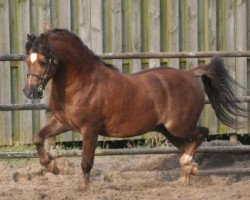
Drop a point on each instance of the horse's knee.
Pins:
(37, 140)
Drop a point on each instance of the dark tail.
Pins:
(220, 88)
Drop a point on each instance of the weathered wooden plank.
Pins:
(173, 30)
(84, 21)
(165, 24)
(96, 26)
(210, 44)
(248, 23)
(154, 39)
(183, 38)
(135, 33)
(63, 16)
(5, 79)
(75, 8)
(248, 61)
(241, 44)
(221, 26)
(230, 42)
(126, 37)
(145, 30)
(116, 29)
(26, 128)
(191, 9)
(107, 27)
(13, 10)
(40, 14)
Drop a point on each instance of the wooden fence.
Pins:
(122, 26)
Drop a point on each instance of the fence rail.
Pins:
(133, 151)
(141, 55)
(42, 106)
(244, 149)
(12, 107)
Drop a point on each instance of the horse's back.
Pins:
(181, 97)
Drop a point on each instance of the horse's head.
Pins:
(42, 64)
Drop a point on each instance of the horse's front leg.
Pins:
(53, 128)
(89, 145)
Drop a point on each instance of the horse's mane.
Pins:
(81, 45)
(35, 43)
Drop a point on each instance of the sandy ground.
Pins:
(149, 177)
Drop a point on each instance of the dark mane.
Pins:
(30, 42)
(38, 45)
(110, 66)
(83, 46)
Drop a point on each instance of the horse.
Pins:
(94, 98)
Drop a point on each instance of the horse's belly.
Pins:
(130, 128)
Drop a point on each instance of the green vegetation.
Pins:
(17, 148)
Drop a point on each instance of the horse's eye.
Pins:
(43, 63)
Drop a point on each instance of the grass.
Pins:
(17, 148)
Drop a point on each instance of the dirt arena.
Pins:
(149, 177)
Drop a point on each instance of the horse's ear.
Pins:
(28, 37)
(30, 40)
(44, 37)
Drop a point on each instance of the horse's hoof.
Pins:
(82, 188)
(194, 170)
(52, 167)
(183, 181)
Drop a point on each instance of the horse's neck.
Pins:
(71, 78)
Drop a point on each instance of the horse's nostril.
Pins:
(33, 93)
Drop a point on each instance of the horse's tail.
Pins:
(220, 88)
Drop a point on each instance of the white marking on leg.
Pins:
(185, 159)
(168, 124)
(33, 57)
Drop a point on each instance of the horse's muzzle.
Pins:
(33, 92)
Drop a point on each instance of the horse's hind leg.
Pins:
(188, 166)
(53, 128)
(188, 147)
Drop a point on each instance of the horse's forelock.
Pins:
(30, 41)
(41, 46)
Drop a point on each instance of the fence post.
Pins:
(5, 80)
